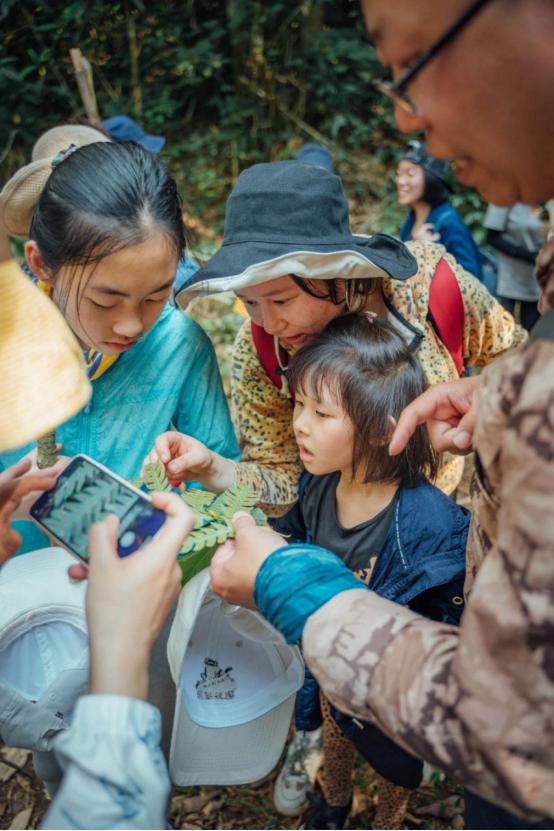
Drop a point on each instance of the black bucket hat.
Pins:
(416, 152)
(292, 218)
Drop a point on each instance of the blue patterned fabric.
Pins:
(170, 377)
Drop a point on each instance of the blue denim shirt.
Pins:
(168, 379)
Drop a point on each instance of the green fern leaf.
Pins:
(198, 500)
(207, 536)
(155, 478)
(234, 499)
(192, 563)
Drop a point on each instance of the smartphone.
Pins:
(86, 492)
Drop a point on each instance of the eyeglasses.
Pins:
(396, 90)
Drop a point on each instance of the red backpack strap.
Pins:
(265, 347)
(446, 311)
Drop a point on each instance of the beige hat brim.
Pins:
(22, 192)
(42, 372)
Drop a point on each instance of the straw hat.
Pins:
(42, 373)
(21, 193)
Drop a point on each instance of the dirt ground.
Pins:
(436, 804)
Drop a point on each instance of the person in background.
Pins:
(517, 233)
(421, 185)
(316, 154)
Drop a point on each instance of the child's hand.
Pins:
(186, 459)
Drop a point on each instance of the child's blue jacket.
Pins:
(421, 564)
(168, 380)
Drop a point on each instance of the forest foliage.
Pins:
(228, 82)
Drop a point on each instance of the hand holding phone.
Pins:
(128, 599)
(85, 493)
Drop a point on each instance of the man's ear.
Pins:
(36, 263)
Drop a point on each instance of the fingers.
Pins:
(180, 522)
(77, 572)
(20, 467)
(243, 523)
(223, 553)
(163, 446)
(466, 428)
(35, 482)
(416, 413)
(102, 541)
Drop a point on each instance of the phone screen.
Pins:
(84, 494)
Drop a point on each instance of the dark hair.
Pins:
(355, 292)
(102, 198)
(369, 369)
(435, 192)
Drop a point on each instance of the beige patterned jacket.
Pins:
(263, 416)
(477, 701)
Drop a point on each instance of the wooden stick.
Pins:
(83, 75)
(46, 450)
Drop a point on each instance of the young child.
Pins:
(399, 534)
(105, 234)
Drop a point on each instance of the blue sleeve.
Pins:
(295, 581)
(456, 238)
(115, 775)
(202, 409)
(407, 225)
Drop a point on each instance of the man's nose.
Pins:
(408, 122)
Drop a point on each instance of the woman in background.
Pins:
(421, 185)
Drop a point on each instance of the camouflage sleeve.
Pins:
(263, 421)
(476, 701)
(489, 329)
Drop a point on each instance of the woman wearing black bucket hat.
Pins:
(289, 253)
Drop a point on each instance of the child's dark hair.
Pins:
(102, 198)
(369, 369)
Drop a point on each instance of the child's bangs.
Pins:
(317, 376)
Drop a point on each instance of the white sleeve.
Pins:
(115, 775)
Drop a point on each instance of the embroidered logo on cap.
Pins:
(215, 682)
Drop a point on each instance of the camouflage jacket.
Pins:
(476, 701)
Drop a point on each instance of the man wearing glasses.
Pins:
(477, 701)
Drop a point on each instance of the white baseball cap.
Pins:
(236, 682)
(43, 647)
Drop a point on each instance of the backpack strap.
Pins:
(446, 311)
(273, 358)
(544, 327)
